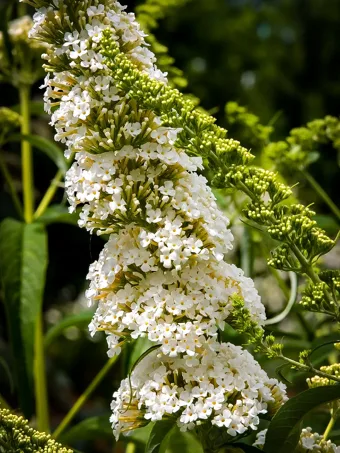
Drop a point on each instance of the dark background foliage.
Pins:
(278, 57)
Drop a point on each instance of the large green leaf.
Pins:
(159, 434)
(80, 320)
(281, 436)
(46, 146)
(23, 252)
(90, 429)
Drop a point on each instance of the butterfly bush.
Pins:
(162, 273)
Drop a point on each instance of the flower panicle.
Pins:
(136, 177)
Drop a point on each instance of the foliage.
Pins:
(272, 212)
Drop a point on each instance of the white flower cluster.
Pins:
(226, 386)
(309, 442)
(161, 275)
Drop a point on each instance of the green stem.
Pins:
(292, 298)
(321, 192)
(309, 369)
(41, 396)
(22, 9)
(83, 398)
(11, 187)
(329, 426)
(247, 260)
(48, 197)
(26, 154)
(130, 448)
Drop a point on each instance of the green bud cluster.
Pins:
(17, 436)
(242, 321)
(247, 127)
(291, 225)
(302, 242)
(316, 298)
(319, 381)
(300, 149)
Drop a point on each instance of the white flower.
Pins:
(162, 385)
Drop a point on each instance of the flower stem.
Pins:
(322, 193)
(48, 197)
(26, 154)
(309, 369)
(11, 187)
(22, 9)
(329, 426)
(40, 379)
(83, 398)
(130, 448)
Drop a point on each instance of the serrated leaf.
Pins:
(158, 434)
(24, 255)
(284, 425)
(78, 320)
(48, 147)
(89, 429)
(58, 214)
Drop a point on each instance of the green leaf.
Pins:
(178, 441)
(78, 320)
(281, 436)
(46, 146)
(24, 255)
(140, 346)
(159, 433)
(90, 429)
(139, 435)
(58, 214)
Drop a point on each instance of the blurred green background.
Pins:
(280, 58)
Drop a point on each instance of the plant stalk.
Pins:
(41, 395)
(48, 197)
(329, 426)
(130, 448)
(322, 193)
(26, 154)
(84, 397)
